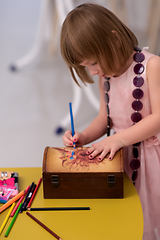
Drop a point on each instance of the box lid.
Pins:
(68, 159)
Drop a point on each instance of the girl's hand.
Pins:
(108, 145)
(78, 139)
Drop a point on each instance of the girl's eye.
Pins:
(94, 63)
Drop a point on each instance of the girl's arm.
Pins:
(95, 130)
(144, 129)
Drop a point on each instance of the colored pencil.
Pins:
(35, 191)
(72, 122)
(58, 209)
(29, 197)
(22, 207)
(6, 218)
(17, 205)
(44, 226)
(12, 200)
(13, 220)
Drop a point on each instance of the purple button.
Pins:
(108, 112)
(138, 57)
(135, 164)
(138, 81)
(137, 144)
(139, 68)
(135, 152)
(137, 105)
(106, 86)
(136, 117)
(106, 97)
(137, 93)
(134, 176)
(137, 49)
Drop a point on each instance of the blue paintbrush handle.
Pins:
(72, 122)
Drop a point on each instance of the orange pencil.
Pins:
(17, 205)
(12, 200)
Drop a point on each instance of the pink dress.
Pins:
(148, 181)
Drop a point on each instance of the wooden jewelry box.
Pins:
(68, 173)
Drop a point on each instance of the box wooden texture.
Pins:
(68, 173)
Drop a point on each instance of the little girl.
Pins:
(95, 42)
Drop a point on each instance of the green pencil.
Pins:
(13, 220)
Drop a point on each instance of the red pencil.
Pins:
(17, 205)
(44, 226)
(34, 193)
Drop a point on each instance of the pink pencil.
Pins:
(34, 193)
(18, 203)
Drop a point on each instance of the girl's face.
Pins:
(93, 67)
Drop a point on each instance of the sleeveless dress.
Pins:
(148, 181)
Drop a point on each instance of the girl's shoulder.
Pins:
(154, 59)
(153, 68)
(153, 63)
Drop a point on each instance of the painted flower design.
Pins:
(77, 159)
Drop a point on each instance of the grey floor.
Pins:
(33, 100)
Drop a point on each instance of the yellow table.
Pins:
(108, 219)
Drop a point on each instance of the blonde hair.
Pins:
(91, 31)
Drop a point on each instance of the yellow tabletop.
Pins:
(108, 219)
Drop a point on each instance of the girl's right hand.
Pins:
(78, 139)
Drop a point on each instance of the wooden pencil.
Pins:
(58, 208)
(22, 207)
(13, 220)
(29, 197)
(44, 226)
(6, 218)
(12, 200)
(17, 205)
(34, 193)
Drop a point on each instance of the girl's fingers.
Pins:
(94, 151)
(102, 156)
(111, 155)
(90, 150)
(68, 134)
(76, 137)
(67, 142)
(67, 139)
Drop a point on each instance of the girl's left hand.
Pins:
(108, 145)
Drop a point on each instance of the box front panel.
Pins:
(68, 186)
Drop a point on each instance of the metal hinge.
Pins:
(55, 180)
(111, 180)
